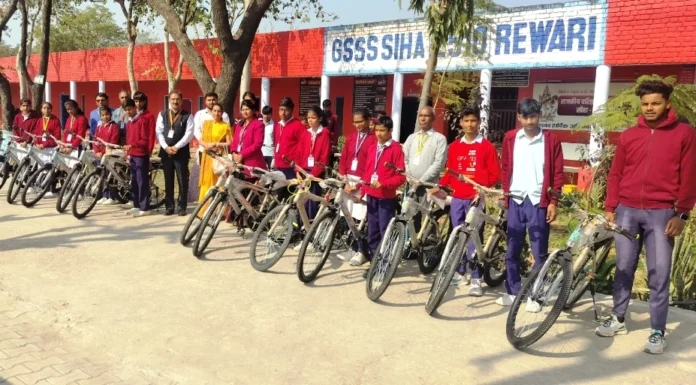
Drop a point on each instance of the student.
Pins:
(316, 150)
(381, 193)
(24, 121)
(267, 148)
(477, 159)
(287, 135)
(352, 162)
(137, 142)
(532, 161)
(102, 100)
(47, 124)
(650, 193)
(141, 104)
(75, 127)
(108, 131)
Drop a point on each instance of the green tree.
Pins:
(83, 29)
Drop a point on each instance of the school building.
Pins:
(570, 56)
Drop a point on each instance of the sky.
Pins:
(347, 11)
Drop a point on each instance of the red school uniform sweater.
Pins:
(320, 149)
(138, 136)
(52, 127)
(354, 148)
(109, 133)
(477, 161)
(287, 141)
(75, 126)
(387, 177)
(20, 125)
(151, 121)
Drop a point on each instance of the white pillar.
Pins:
(325, 88)
(47, 92)
(485, 85)
(265, 92)
(601, 95)
(397, 98)
(73, 90)
(102, 86)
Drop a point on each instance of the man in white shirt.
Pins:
(206, 114)
(267, 148)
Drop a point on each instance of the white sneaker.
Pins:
(475, 290)
(128, 206)
(505, 300)
(109, 202)
(101, 201)
(611, 327)
(532, 306)
(656, 343)
(297, 248)
(133, 211)
(49, 195)
(358, 259)
(456, 279)
(344, 256)
(142, 214)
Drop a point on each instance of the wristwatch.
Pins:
(683, 217)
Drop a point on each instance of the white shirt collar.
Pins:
(385, 145)
(430, 132)
(318, 131)
(270, 123)
(521, 134)
(477, 139)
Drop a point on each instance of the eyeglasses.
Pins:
(360, 122)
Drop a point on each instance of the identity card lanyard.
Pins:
(241, 136)
(380, 152)
(45, 127)
(422, 140)
(171, 123)
(358, 145)
(70, 131)
(310, 160)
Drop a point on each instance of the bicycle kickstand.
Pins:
(597, 311)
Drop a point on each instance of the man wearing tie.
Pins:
(175, 131)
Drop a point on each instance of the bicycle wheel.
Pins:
(433, 243)
(37, 186)
(581, 273)
(18, 181)
(537, 295)
(5, 169)
(267, 249)
(386, 260)
(194, 221)
(88, 192)
(494, 269)
(316, 246)
(69, 186)
(209, 224)
(453, 257)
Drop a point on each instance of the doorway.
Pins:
(409, 116)
(63, 112)
(503, 116)
(338, 110)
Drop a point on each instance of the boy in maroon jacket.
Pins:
(287, 134)
(137, 147)
(381, 193)
(141, 105)
(532, 161)
(650, 192)
(24, 121)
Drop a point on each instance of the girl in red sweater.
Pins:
(108, 131)
(315, 149)
(47, 124)
(476, 158)
(75, 127)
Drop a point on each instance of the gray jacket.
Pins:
(432, 159)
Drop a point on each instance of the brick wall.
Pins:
(647, 32)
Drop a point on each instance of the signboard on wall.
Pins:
(510, 78)
(310, 93)
(562, 36)
(564, 105)
(370, 92)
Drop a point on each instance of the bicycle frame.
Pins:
(339, 204)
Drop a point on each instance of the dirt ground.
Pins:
(125, 289)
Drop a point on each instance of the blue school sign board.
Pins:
(566, 35)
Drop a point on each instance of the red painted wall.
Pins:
(647, 32)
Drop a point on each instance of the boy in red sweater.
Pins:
(650, 192)
(141, 105)
(381, 193)
(477, 159)
(137, 147)
(316, 150)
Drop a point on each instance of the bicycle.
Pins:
(321, 236)
(87, 163)
(34, 159)
(489, 256)
(230, 193)
(282, 220)
(12, 156)
(556, 276)
(428, 243)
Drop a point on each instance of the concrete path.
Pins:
(112, 299)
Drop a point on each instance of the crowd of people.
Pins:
(649, 190)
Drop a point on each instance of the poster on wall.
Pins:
(370, 92)
(510, 78)
(310, 93)
(564, 105)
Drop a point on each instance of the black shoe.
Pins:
(181, 212)
(169, 211)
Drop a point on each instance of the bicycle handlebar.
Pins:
(60, 142)
(481, 188)
(411, 179)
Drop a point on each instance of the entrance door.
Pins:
(338, 110)
(503, 116)
(63, 112)
(409, 116)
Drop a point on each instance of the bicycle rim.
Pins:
(37, 186)
(194, 221)
(69, 186)
(494, 269)
(17, 182)
(386, 260)
(453, 256)
(433, 244)
(209, 225)
(316, 247)
(581, 271)
(87, 194)
(267, 248)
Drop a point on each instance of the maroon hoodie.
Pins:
(654, 169)
(20, 125)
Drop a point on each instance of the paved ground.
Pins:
(112, 299)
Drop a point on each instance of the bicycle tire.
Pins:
(80, 189)
(66, 192)
(17, 180)
(395, 256)
(578, 288)
(545, 325)
(496, 249)
(186, 235)
(328, 234)
(429, 260)
(286, 223)
(4, 170)
(202, 240)
(453, 257)
(48, 173)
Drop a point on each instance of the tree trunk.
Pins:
(172, 78)
(37, 90)
(129, 65)
(5, 92)
(245, 84)
(22, 74)
(429, 74)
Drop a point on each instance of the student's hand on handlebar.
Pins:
(610, 217)
(551, 213)
(127, 148)
(675, 226)
(376, 184)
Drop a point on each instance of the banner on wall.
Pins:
(564, 105)
(563, 36)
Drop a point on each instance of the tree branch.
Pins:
(6, 19)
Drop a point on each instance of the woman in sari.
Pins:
(217, 136)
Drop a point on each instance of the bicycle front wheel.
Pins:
(88, 192)
(386, 260)
(540, 300)
(434, 242)
(582, 271)
(494, 269)
(18, 181)
(453, 257)
(316, 246)
(271, 238)
(37, 186)
(4, 170)
(194, 221)
(69, 187)
(209, 224)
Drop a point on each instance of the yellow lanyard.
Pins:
(422, 140)
(45, 123)
(171, 121)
